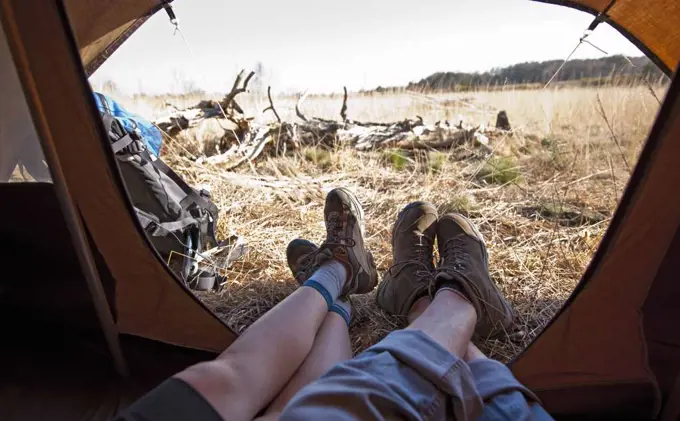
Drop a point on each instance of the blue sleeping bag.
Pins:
(149, 133)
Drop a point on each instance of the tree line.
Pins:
(607, 69)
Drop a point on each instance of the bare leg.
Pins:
(473, 353)
(246, 378)
(331, 346)
(249, 374)
(418, 308)
(450, 320)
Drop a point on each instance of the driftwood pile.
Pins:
(245, 140)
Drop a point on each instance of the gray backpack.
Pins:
(178, 219)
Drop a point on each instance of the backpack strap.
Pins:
(125, 142)
(202, 198)
(159, 229)
(199, 198)
(178, 225)
(122, 143)
(128, 143)
(104, 102)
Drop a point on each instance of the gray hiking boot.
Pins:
(464, 265)
(344, 219)
(412, 270)
(345, 229)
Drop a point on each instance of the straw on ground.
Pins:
(543, 198)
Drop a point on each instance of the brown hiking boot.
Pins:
(345, 228)
(344, 242)
(464, 265)
(301, 258)
(412, 268)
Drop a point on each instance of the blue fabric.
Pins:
(342, 313)
(149, 133)
(512, 406)
(409, 376)
(321, 290)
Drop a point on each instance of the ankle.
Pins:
(457, 301)
(455, 289)
(418, 307)
(449, 320)
(329, 280)
(343, 308)
(445, 281)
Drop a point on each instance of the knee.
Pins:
(223, 386)
(211, 375)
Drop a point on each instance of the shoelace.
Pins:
(423, 274)
(307, 269)
(419, 256)
(455, 259)
(333, 228)
(454, 255)
(310, 262)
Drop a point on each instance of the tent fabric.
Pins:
(149, 300)
(612, 351)
(651, 25)
(19, 144)
(56, 375)
(618, 331)
(100, 27)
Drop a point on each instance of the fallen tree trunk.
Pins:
(251, 140)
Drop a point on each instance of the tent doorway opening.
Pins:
(578, 177)
(543, 184)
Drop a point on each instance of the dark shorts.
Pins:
(173, 400)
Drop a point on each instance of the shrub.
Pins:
(460, 203)
(396, 158)
(435, 161)
(499, 170)
(319, 157)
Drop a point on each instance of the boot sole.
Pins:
(298, 242)
(362, 286)
(356, 208)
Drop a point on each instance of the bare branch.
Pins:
(271, 104)
(343, 110)
(235, 90)
(237, 81)
(297, 107)
(245, 84)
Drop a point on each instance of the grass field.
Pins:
(542, 199)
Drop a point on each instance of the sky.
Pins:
(321, 46)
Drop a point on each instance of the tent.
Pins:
(91, 318)
(651, 25)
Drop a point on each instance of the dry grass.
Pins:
(542, 200)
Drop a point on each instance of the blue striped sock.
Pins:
(321, 290)
(329, 281)
(343, 308)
